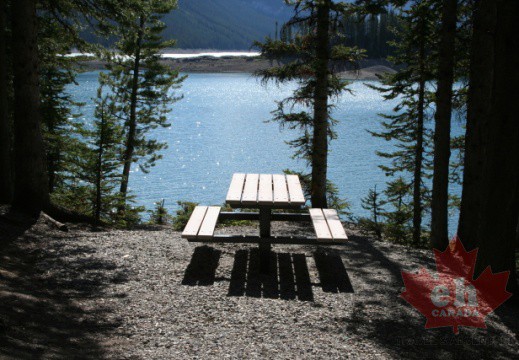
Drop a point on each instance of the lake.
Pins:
(219, 128)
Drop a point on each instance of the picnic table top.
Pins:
(258, 190)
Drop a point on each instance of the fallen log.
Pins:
(64, 214)
(53, 222)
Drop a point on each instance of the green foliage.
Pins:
(334, 200)
(85, 161)
(59, 122)
(99, 164)
(74, 158)
(142, 88)
(228, 208)
(155, 84)
(301, 58)
(411, 162)
(160, 214)
(372, 32)
(375, 205)
(72, 195)
(186, 209)
(132, 216)
(398, 227)
(91, 186)
(297, 62)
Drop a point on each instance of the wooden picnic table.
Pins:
(265, 192)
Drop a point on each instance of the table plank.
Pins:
(280, 189)
(266, 192)
(335, 225)
(235, 189)
(295, 191)
(210, 219)
(320, 225)
(194, 223)
(250, 190)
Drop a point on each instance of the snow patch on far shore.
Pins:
(218, 54)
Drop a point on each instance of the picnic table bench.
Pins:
(265, 192)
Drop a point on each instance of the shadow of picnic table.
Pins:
(288, 277)
(372, 271)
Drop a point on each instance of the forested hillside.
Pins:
(223, 24)
(236, 24)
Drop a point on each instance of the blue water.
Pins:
(219, 128)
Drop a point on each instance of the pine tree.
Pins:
(102, 165)
(371, 32)
(398, 221)
(160, 215)
(307, 60)
(58, 120)
(42, 31)
(375, 205)
(406, 126)
(442, 138)
(141, 84)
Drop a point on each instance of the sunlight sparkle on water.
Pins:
(229, 112)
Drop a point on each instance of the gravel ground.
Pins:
(148, 294)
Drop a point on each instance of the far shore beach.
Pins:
(245, 62)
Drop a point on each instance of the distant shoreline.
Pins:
(238, 63)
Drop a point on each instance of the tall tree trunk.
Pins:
(52, 158)
(499, 185)
(478, 110)
(132, 122)
(378, 230)
(99, 175)
(442, 128)
(418, 160)
(31, 192)
(321, 123)
(517, 232)
(6, 185)
(517, 235)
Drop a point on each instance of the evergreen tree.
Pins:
(406, 126)
(42, 32)
(371, 32)
(307, 60)
(442, 138)
(398, 221)
(58, 120)
(160, 215)
(141, 85)
(102, 165)
(375, 205)
(60, 23)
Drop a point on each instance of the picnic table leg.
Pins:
(264, 247)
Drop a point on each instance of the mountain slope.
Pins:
(223, 24)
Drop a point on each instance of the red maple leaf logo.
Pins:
(453, 297)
